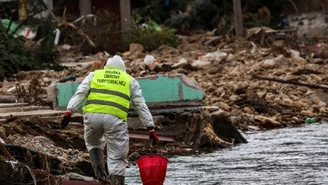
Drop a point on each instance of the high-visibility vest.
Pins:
(109, 93)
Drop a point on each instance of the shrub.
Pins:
(106, 34)
(15, 57)
(151, 39)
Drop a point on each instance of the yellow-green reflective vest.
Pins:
(109, 93)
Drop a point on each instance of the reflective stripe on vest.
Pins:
(109, 93)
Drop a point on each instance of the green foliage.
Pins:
(206, 14)
(150, 38)
(200, 16)
(276, 8)
(16, 54)
(15, 57)
(106, 34)
(159, 11)
(12, 55)
(49, 54)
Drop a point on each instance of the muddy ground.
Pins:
(53, 153)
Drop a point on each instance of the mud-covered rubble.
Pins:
(43, 136)
(227, 75)
(226, 69)
(202, 131)
(44, 145)
(39, 144)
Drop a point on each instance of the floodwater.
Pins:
(292, 156)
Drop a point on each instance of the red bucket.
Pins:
(152, 169)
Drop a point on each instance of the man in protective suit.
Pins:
(108, 94)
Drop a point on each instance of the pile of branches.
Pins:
(32, 94)
(13, 172)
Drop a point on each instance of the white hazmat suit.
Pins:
(101, 129)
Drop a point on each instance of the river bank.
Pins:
(280, 156)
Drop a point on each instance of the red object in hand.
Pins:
(153, 137)
(65, 119)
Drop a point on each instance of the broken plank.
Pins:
(5, 105)
(32, 113)
(22, 108)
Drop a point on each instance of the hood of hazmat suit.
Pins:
(115, 62)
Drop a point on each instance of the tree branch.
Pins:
(294, 5)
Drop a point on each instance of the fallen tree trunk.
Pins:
(316, 86)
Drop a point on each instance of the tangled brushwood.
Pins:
(32, 93)
(18, 54)
(13, 172)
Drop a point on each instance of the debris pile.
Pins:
(229, 71)
(17, 172)
(56, 153)
(258, 82)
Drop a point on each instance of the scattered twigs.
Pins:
(32, 93)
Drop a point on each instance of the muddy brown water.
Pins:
(283, 156)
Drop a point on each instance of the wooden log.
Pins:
(286, 81)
